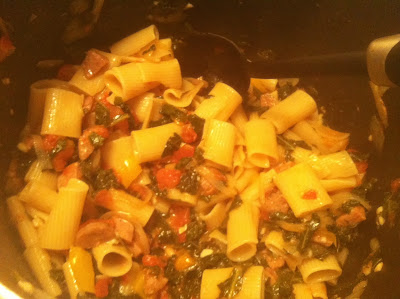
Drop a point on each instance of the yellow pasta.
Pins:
(133, 79)
(62, 113)
(39, 261)
(210, 280)
(275, 243)
(149, 143)
(315, 270)
(302, 291)
(239, 118)
(242, 230)
(124, 202)
(248, 175)
(216, 216)
(182, 197)
(261, 142)
(183, 97)
(252, 284)
(331, 185)
(39, 196)
(112, 260)
(218, 142)
(120, 156)
(65, 217)
(222, 102)
(263, 85)
(24, 225)
(133, 43)
(290, 111)
(302, 190)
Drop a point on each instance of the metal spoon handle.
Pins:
(351, 63)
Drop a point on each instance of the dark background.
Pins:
(265, 29)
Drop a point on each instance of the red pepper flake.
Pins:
(310, 194)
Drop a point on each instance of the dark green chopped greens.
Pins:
(320, 252)
(105, 179)
(117, 119)
(344, 234)
(154, 186)
(290, 145)
(120, 103)
(24, 161)
(257, 93)
(102, 114)
(173, 113)
(255, 108)
(189, 182)
(197, 124)
(349, 205)
(96, 140)
(283, 287)
(172, 145)
(195, 229)
(286, 90)
(154, 270)
(58, 276)
(365, 187)
(215, 260)
(232, 286)
(306, 236)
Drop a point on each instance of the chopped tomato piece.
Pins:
(186, 151)
(154, 260)
(164, 293)
(395, 185)
(86, 147)
(189, 135)
(168, 178)
(101, 287)
(179, 217)
(66, 72)
(103, 198)
(71, 171)
(6, 47)
(61, 159)
(356, 215)
(362, 166)
(310, 194)
(50, 142)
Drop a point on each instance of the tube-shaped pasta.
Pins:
(37, 99)
(62, 113)
(248, 175)
(39, 196)
(216, 216)
(143, 107)
(239, 159)
(302, 190)
(275, 243)
(239, 118)
(65, 217)
(112, 260)
(70, 280)
(24, 225)
(318, 290)
(252, 284)
(157, 51)
(302, 291)
(133, 43)
(332, 185)
(242, 230)
(222, 103)
(211, 279)
(290, 111)
(118, 200)
(81, 268)
(264, 85)
(183, 97)
(261, 142)
(39, 261)
(149, 143)
(133, 79)
(36, 173)
(119, 155)
(219, 142)
(252, 193)
(315, 270)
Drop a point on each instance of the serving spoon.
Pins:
(220, 59)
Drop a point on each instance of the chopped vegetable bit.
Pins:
(310, 195)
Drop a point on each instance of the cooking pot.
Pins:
(265, 29)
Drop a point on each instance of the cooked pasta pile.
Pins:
(132, 180)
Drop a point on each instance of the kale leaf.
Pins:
(173, 144)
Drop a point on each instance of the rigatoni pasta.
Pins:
(132, 181)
